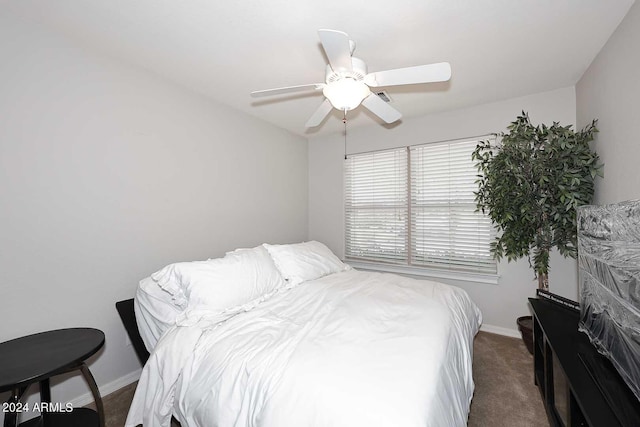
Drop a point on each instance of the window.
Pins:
(414, 206)
(376, 205)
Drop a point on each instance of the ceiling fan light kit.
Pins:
(345, 88)
(346, 94)
(347, 82)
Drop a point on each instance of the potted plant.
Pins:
(530, 184)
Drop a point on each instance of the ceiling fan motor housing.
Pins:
(358, 72)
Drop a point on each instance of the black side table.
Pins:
(38, 357)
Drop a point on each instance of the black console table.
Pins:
(38, 357)
(579, 387)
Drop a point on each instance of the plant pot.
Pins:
(525, 326)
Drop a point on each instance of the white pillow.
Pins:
(305, 261)
(223, 284)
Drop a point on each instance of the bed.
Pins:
(294, 337)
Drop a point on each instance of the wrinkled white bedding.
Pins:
(349, 349)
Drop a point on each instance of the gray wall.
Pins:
(107, 173)
(610, 91)
(501, 304)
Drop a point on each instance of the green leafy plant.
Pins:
(530, 185)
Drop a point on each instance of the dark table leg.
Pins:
(11, 416)
(45, 396)
(94, 390)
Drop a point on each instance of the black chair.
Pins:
(128, 316)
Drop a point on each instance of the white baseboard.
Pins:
(499, 330)
(106, 389)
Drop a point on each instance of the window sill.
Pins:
(425, 272)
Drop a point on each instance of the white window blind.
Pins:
(376, 206)
(446, 230)
(415, 206)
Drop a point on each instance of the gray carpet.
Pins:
(502, 370)
(505, 394)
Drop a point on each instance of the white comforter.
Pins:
(349, 349)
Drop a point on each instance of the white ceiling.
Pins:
(498, 49)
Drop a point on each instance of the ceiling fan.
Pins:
(347, 83)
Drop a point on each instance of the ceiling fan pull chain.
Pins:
(344, 120)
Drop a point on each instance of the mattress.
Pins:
(349, 349)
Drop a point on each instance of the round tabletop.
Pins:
(39, 356)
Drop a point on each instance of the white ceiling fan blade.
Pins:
(336, 46)
(322, 112)
(381, 109)
(440, 72)
(288, 89)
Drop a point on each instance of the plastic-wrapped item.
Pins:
(609, 275)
